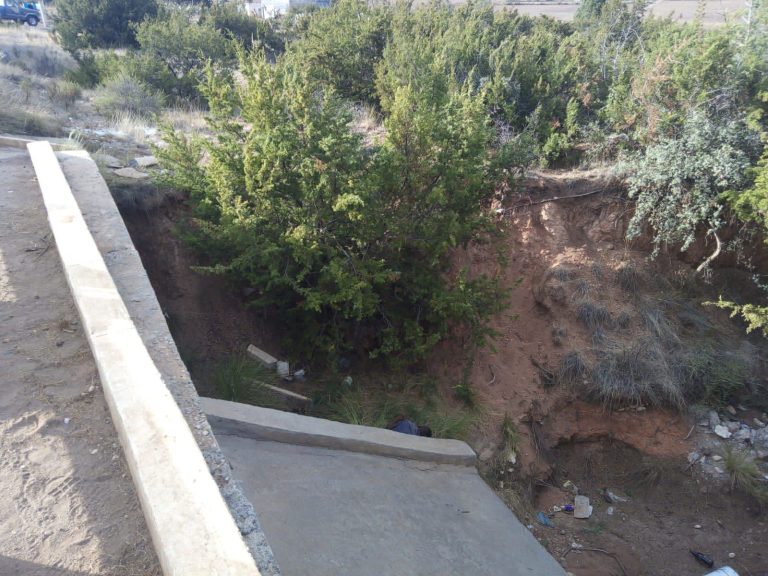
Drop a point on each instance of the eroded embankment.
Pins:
(585, 302)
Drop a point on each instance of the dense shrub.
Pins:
(350, 244)
(174, 52)
(249, 31)
(100, 23)
(677, 182)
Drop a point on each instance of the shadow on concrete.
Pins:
(24, 568)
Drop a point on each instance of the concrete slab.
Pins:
(337, 513)
(267, 424)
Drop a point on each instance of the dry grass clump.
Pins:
(634, 373)
(628, 278)
(64, 93)
(563, 273)
(572, 370)
(581, 290)
(658, 323)
(745, 474)
(189, 120)
(593, 315)
(33, 51)
(123, 94)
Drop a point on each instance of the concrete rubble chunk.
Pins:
(143, 162)
(722, 431)
(265, 358)
(131, 173)
(581, 507)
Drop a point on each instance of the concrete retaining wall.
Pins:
(266, 424)
(192, 528)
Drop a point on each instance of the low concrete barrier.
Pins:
(266, 424)
(192, 529)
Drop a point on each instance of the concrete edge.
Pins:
(267, 424)
(21, 142)
(109, 231)
(190, 524)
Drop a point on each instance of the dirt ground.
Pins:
(67, 504)
(716, 12)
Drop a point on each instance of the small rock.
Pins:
(722, 431)
(94, 451)
(731, 555)
(66, 420)
(143, 162)
(743, 435)
(581, 507)
(108, 161)
(733, 426)
(486, 455)
(731, 410)
(717, 457)
(718, 470)
(759, 423)
(131, 173)
(693, 457)
(512, 459)
(697, 526)
(714, 419)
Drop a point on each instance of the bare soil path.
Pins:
(67, 505)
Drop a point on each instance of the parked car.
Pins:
(20, 12)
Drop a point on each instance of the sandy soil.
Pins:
(67, 505)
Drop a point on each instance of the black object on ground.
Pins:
(703, 558)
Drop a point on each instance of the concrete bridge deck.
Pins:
(339, 512)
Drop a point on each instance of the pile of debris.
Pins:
(731, 429)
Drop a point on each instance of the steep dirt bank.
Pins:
(571, 259)
(209, 320)
(563, 253)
